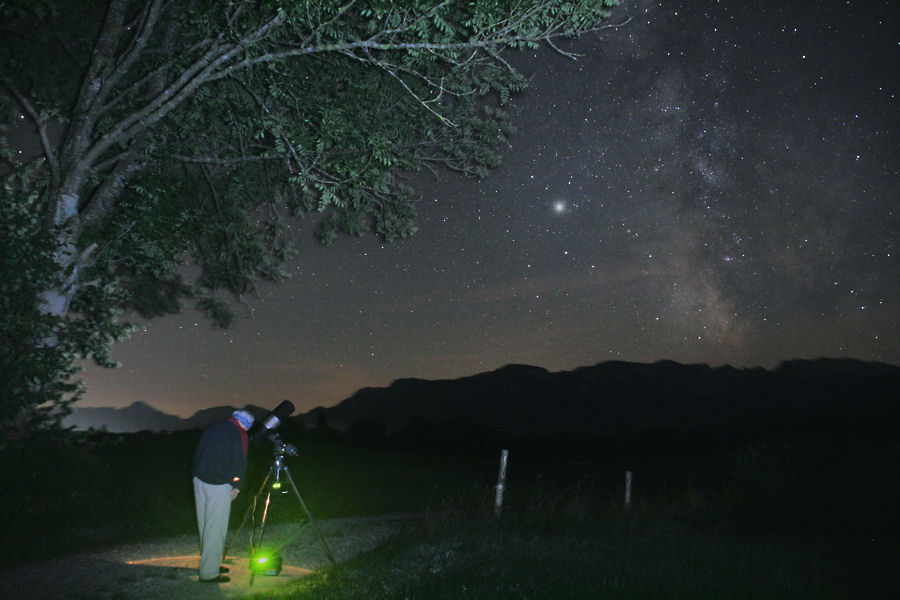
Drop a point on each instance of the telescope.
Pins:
(272, 421)
(270, 562)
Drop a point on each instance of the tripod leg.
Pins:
(312, 521)
(250, 510)
(262, 525)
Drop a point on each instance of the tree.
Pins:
(140, 135)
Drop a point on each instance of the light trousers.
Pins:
(213, 509)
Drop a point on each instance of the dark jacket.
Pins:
(221, 455)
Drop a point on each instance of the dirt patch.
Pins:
(167, 569)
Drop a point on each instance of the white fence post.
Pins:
(501, 482)
(627, 489)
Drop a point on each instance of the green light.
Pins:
(276, 485)
(266, 563)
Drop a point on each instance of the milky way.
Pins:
(708, 183)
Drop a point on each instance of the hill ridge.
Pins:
(606, 398)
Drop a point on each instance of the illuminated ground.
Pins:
(239, 572)
(167, 569)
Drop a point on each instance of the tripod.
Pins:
(278, 473)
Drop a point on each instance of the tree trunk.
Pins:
(65, 229)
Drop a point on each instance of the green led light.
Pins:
(276, 485)
(266, 563)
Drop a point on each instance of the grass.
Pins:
(138, 488)
(617, 556)
(785, 522)
(782, 523)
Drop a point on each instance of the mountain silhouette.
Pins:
(607, 399)
(613, 398)
(139, 416)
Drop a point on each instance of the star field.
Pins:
(712, 182)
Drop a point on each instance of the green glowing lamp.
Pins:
(266, 563)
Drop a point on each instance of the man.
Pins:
(220, 464)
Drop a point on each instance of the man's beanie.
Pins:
(244, 418)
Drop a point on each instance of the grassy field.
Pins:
(564, 533)
(761, 522)
(634, 556)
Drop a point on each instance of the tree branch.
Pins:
(103, 198)
(146, 22)
(222, 162)
(78, 137)
(39, 124)
(177, 91)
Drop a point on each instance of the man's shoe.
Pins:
(219, 579)
(224, 569)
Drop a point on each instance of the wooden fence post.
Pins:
(501, 482)
(627, 489)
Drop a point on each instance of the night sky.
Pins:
(711, 183)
